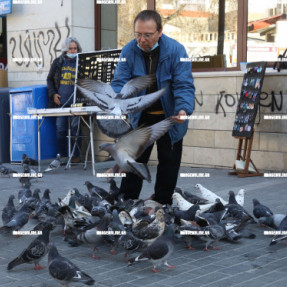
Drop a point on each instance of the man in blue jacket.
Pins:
(152, 52)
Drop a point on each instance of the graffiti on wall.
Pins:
(39, 48)
(224, 101)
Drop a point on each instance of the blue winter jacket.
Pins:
(171, 73)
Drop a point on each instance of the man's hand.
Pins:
(177, 118)
(56, 99)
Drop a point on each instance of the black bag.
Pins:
(282, 63)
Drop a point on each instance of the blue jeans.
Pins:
(62, 133)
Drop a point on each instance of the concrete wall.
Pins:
(37, 31)
(210, 143)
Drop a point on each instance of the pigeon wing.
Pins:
(101, 100)
(113, 128)
(62, 269)
(97, 87)
(134, 142)
(132, 87)
(158, 130)
(138, 104)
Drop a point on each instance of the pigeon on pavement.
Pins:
(208, 194)
(54, 164)
(260, 210)
(240, 197)
(158, 252)
(283, 229)
(28, 160)
(36, 250)
(183, 204)
(65, 271)
(19, 219)
(9, 210)
(6, 170)
(272, 221)
(192, 198)
(148, 233)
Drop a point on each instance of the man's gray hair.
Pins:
(67, 42)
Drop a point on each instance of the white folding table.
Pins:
(71, 111)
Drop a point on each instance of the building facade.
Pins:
(207, 28)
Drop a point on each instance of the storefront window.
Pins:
(126, 15)
(267, 26)
(195, 24)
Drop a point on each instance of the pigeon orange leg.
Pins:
(38, 266)
(94, 255)
(168, 266)
(215, 248)
(190, 247)
(155, 270)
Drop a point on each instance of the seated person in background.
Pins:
(60, 81)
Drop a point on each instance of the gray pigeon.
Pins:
(158, 252)
(9, 210)
(28, 160)
(64, 270)
(6, 170)
(54, 164)
(19, 219)
(130, 146)
(272, 221)
(260, 210)
(216, 233)
(120, 105)
(36, 250)
(283, 229)
(149, 232)
(113, 128)
(130, 89)
(92, 237)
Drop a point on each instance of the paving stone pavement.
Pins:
(250, 262)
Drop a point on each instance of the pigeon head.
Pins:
(88, 184)
(231, 193)
(255, 202)
(241, 192)
(27, 184)
(53, 252)
(197, 186)
(26, 168)
(160, 215)
(36, 192)
(106, 147)
(178, 190)
(76, 191)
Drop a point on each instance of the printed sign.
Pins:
(99, 65)
(249, 99)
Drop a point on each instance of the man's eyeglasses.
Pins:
(146, 35)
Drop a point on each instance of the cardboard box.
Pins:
(3, 78)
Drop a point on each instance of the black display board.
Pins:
(98, 65)
(249, 100)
